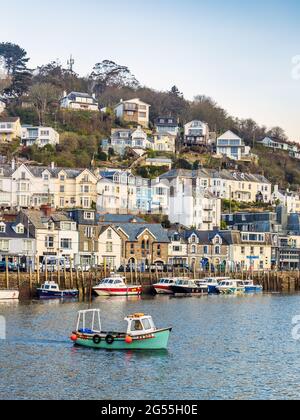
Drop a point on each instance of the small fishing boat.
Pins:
(51, 290)
(188, 287)
(163, 287)
(231, 287)
(212, 283)
(116, 286)
(141, 333)
(9, 294)
(250, 287)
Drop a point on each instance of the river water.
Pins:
(222, 347)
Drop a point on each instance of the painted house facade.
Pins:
(79, 101)
(39, 136)
(196, 133)
(133, 111)
(232, 146)
(10, 129)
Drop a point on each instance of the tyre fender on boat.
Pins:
(109, 339)
(97, 339)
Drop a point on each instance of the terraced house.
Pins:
(32, 186)
(17, 244)
(143, 244)
(55, 233)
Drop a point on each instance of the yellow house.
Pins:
(75, 188)
(165, 142)
(10, 129)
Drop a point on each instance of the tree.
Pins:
(110, 74)
(43, 96)
(277, 133)
(56, 75)
(15, 64)
(176, 92)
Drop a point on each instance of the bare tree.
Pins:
(43, 96)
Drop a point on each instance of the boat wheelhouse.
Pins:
(116, 286)
(51, 290)
(141, 333)
(212, 283)
(231, 287)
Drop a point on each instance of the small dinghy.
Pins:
(141, 333)
(9, 294)
(51, 290)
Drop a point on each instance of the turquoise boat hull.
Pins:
(157, 341)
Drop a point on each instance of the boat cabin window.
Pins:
(136, 326)
(47, 287)
(53, 287)
(118, 282)
(147, 325)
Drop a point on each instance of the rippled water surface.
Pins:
(221, 347)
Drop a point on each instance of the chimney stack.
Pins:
(13, 164)
(47, 209)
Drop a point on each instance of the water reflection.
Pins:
(220, 347)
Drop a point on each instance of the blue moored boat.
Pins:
(250, 287)
(51, 290)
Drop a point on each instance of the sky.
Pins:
(243, 54)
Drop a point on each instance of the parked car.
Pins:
(11, 266)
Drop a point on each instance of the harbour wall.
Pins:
(275, 281)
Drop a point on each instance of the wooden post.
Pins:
(71, 273)
(46, 269)
(30, 280)
(6, 273)
(19, 277)
(37, 270)
(65, 273)
(58, 271)
(131, 274)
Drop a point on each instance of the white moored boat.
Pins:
(116, 286)
(9, 294)
(231, 287)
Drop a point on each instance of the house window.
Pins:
(2, 228)
(205, 250)
(109, 247)
(49, 242)
(62, 178)
(194, 249)
(4, 245)
(66, 243)
(62, 202)
(62, 189)
(89, 215)
(86, 247)
(132, 249)
(109, 234)
(27, 246)
(217, 250)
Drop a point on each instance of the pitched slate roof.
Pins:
(134, 230)
(9, 119)
(10, 232)
(120, 218)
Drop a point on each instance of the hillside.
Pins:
(34, 97)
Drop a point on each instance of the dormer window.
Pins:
(20, 229)
(2, 227)
(193, 239)
(62, 178)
